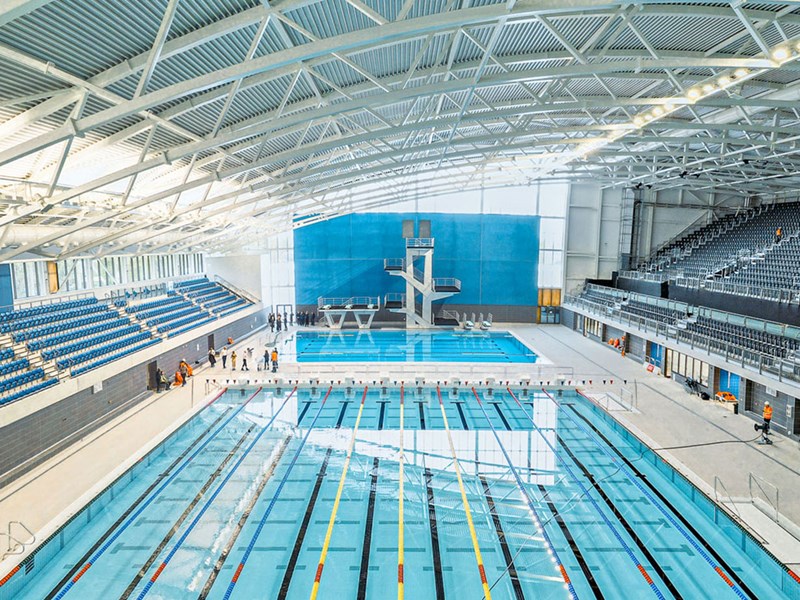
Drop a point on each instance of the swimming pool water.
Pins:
(239, 502)
(411, 346)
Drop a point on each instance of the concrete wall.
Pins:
(33, 439)
(242, 271)
(593, 233)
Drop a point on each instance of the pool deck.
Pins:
(665, 416)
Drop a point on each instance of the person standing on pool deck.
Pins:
(767, 415)
(224, 356)
(212, 359)
(233, 360)
(278, 323)
(274, 360)
(266, 358)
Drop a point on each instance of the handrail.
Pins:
(732, 504)
(394, 262)
(237, 290)
(759, 481)
(782, 369)
(19, 546)
(419, 242)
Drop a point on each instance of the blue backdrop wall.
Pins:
(496, 257)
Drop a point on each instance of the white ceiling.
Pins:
(170, 125)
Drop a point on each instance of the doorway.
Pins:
(152, 375)
(211, 342)
(286, 311)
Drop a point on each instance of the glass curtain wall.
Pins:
(77, 274)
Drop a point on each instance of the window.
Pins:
(689, 367)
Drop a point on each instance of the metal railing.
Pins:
(419, 242)
(765, 364)
(725, 499)
(236, 290)
(767, 493)
(348, 303)
(740, 289)
(446, 282)
(13, 544)
(394, 297)
(394, 263)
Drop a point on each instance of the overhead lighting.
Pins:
(669, 107)
(638, 120)
(693, 94)
(708, 88)
(781, 53)
(724, 81)
(658, 111)
(741, 72)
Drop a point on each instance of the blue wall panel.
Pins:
(496, 257)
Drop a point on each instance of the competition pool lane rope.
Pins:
(667, 515)
(487, 593)
(211, 499)
(400, 527)
(326, 544)
(529, 501)
(585, 493)
(101, 550)
(274, 501)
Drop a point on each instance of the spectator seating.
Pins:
(80, 335)
(145, 343)
(45, 309)
(727, 337)
(213, 297)
(737, 249)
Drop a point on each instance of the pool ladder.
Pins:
(13, 544)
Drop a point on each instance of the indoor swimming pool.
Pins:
(366, 345)
(418, 492)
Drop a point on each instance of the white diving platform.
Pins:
(418, 283)
(335, 310)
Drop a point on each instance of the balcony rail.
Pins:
(419, 242)
(741, 289)
(394, 263)
(394, 297)
(783, 369)
(370, 302)
(446, 282)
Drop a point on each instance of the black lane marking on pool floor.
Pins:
(382, 413)
(502, 416)
(709, 548)
(304, 411)
(345, 403)
(187, 511)
(163, 475)
(301, 535)
(364, 573)
(498, 527)
(421, 414)
(576, 551)
(461, 416)
(437, 556)
(622, 520)
(242, 520)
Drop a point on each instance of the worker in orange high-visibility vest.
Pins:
(767, 415)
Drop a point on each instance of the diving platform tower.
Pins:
(422, 288)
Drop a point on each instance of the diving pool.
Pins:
(418, 493)
(411, 346)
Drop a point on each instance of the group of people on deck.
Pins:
(185, 370)
(182, 374)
